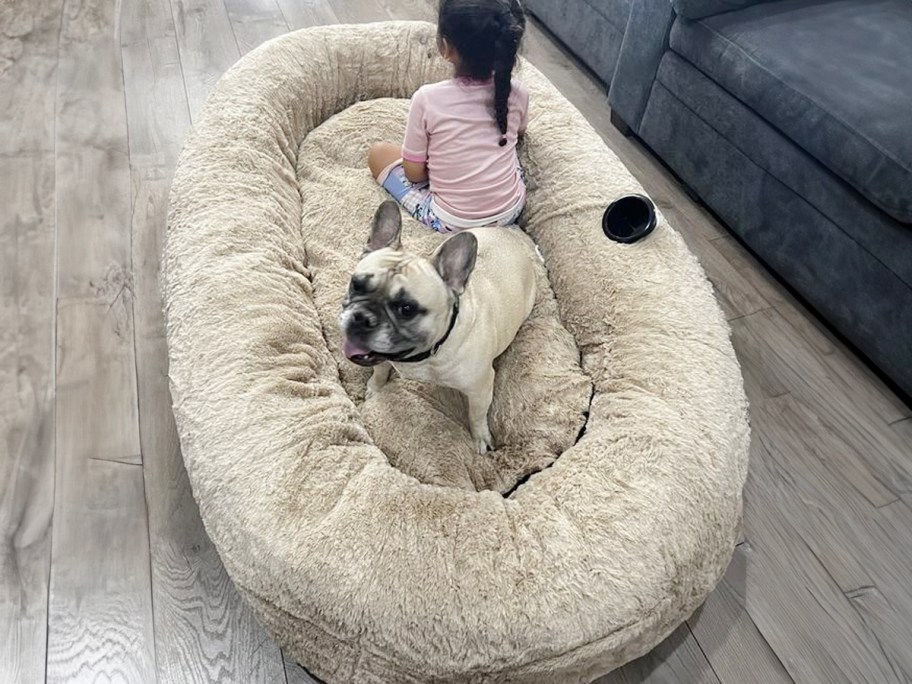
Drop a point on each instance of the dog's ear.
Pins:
(386, 227)
(455, 260)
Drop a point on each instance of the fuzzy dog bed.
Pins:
(368, 536)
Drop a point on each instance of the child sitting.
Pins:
(457, 167)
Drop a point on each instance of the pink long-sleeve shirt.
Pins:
(451, 126)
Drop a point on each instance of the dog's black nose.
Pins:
(364, 321)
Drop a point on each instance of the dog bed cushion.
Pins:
(367, 536)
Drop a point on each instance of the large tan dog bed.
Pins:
(368, 536)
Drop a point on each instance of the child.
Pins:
(457, 167)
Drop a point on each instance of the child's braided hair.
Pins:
(486, 35)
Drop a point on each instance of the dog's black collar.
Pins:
(433, 350)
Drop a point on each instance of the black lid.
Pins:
(629, 218)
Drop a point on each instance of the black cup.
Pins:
(629, 218)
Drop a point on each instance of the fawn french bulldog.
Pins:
(441, 320)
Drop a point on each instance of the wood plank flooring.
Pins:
(99, 604)
(106, 572)
(27, 332)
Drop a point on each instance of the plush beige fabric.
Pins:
(368, 538)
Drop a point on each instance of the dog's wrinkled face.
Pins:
(397, 304)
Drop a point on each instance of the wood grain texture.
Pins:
(890, 624)
(100, 614)
(812, 331)
(26, 510)
(93, 207)
(790, 595)
(729, 638)
(796, 472)
(28, 42)
(207, 46)
(903, 429)
(347, 12)
(886, 606)
(845, 366)
(26, 410)
(254, 22)
(303, 13)
(29, 33)
(807, 449)
(865, 550)
(156, 107)
(775, 347)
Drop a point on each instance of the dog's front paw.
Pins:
(483, 441)
(373, 388)
(378, 380)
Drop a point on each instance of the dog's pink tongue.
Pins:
(350, 349)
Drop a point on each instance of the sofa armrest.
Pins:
(697, 9)
(645, 41)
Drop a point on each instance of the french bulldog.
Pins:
(441, 320)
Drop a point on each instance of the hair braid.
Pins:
(506, 45)
(486, 35)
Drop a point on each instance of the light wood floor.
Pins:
(106, 573)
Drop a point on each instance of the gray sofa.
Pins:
(792, 120)
(592, 29)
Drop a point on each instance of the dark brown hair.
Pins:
(486, 35)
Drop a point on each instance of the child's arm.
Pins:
(416, 172)
(415, 143)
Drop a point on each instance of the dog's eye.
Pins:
(407, 310)
(358, 286)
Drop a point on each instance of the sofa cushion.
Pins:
(615, 11)
(835, 77)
